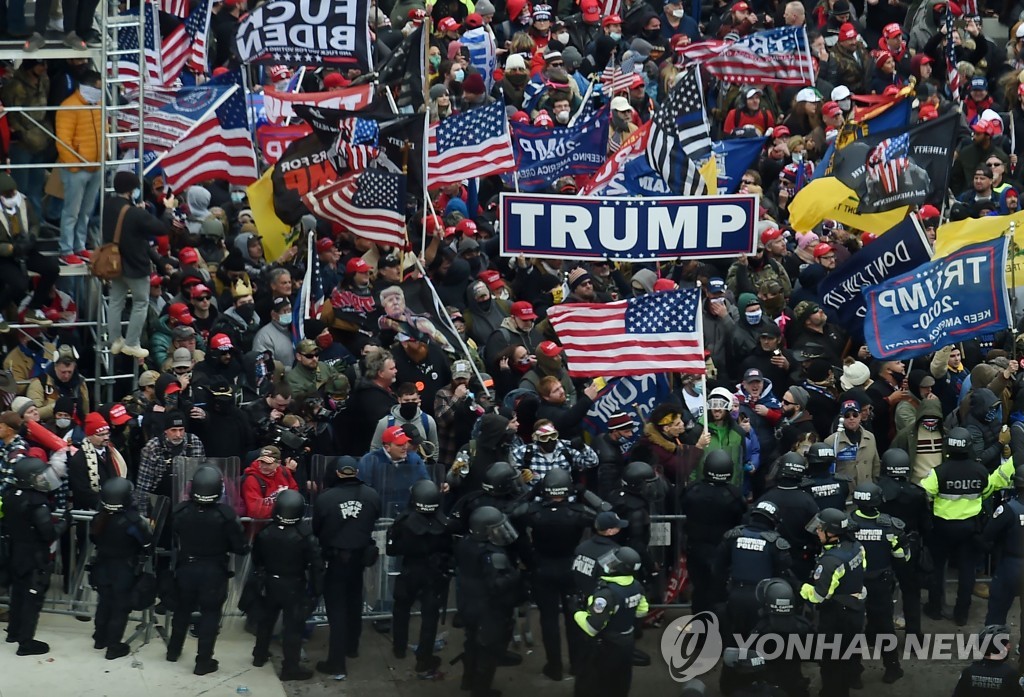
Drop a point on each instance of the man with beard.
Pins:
(748, 273)
(424, 365)
(769, 357)
(549, 364)
(810, 324)
(156, 466)
(553, 406)
(582, 288)
(796, 420)
(93, 464)
(484, 312)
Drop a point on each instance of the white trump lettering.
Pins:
(570, 222)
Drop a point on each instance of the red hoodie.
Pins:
(260, 491)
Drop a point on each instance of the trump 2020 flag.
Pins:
(939, 303)
(658, 332)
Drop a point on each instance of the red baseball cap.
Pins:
(781, 132)
(549, 348)
(611, 19)
(847, 31)
(357, 265)
(492, 278)
(172, 388)
(155, 280)
(927, 112)
(822, 249)
(188, 255)
(279, 72)
(474, 20)
(523, 310)
(928, 212)
(891, 31)
(831, 109)
(221, 342)
(591, 11)
(180, 313)
(740, 7)
(336, 80)
(119, 415)
(448, 24)
(772, 233)
(324, 244)
(396, 435)
(867, 238)
(664, 284)
(199, 290)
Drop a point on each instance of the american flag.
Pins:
(178, 8)
(473, 143)
(679, 137)
(617, 78)
(190, 44)
(310, 298)
(777, 56)
(658, 332)
(888, 161)
(952, 74)
(370, 204)
(358, 142)
(220, 147)
(128, 47)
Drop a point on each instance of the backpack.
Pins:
(424, 421)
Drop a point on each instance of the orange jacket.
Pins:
(81, 130)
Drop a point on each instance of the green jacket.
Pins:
(19, 92)
(302, 380)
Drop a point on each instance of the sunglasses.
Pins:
(851, 413)
(557, 64)
(997, 163)
(790, 404)
(748, 182)
(203, 298)
(315, 354)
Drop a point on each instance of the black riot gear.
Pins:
(718, 466)
(425, 496)
(289, 507)
(958, 444)
(776, 596)
(207, 484)
(489, 524)
(116, 494)
(637, 477)
(995, 640)
(767, 511)
(867, 496)
(832, 521)
(792, 467)
(821, 455)
(501, 479)
(29, 474)
(557, 483)
(896, 463)
(619, 562)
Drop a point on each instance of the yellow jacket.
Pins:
(81, 130)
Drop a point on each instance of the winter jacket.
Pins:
(858, 461)
(984, 434)
(741, 447)
(368, 404)
(392, 480)
(424, 423)
(483, 318)
(906, 438)
(25, 127)
(47, 389)
(278, 340)
(82, 131)
(259, 492)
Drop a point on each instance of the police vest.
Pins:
(751, 555)
(849, 554)
(626, 600)
(828, 492)
(873, 537)
(961, 487)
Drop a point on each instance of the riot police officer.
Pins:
(828, 489)
(556, 526)
(286, 556)
(640, 489)
(1006, 529)
(585, 569)
(958, 486)
(796, 508)
(780, 616)
(837, 588)
(344, 517)
(421, 535)
(907, 501)
(121, 536)
(712, 507)
(204, 533)
(747, 555)
(29, 526)
(608, 618)
(490, 587)
(992, 675)
(883, 540)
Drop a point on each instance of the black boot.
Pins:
(205, 666)
(295, 673)
(117, 651)
(33, 648)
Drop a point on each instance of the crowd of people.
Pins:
(466, 428)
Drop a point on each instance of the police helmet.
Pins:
(766, 510)
(488, 524)
(994, 640)
(500, 479)
(744, 661)
(289, 507)
(116, 494)
(832, 521)
(776, 596)
(958, 442)
(557, 483)
(896, 463)
(425, 496)
(207, 484)
(821, 455)
(30, 473)
(636, 476)
(792, 467)
(867, 496)
(718, 466)
(619, 561)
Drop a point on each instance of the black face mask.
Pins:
(548, 446)
(221, 403)
(246, 311)
(407, 411)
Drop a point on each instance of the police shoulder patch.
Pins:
(998, 511)
(817, 572)
(599, 605)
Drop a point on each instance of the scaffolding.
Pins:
(120, 149)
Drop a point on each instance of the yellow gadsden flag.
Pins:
(275, 232)
(829, 199)
(952, 236)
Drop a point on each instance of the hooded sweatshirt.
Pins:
(260, 491)
(923, 446)
(198, 200)
(984, 433)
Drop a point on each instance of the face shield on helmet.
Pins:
(502, 534)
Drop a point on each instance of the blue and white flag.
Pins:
(545, 154)
(482, 54)
(955, 297)
(636, 396)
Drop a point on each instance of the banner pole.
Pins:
(704, 374)
(1013, 282)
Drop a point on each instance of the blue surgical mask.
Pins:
(237, 196)
(285, 319)
(698, 387)
(459, 75)
(434, 61)
(753, 317)
(615, 36)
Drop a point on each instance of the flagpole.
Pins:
(1013, 282)
(704, 374)
(427, 203)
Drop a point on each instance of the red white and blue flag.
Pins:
(952, 74)
(888, 161)
(774, 57)
(657, 332)
(358, 142)
(310, 299)
(370, 204)
(474, 143)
